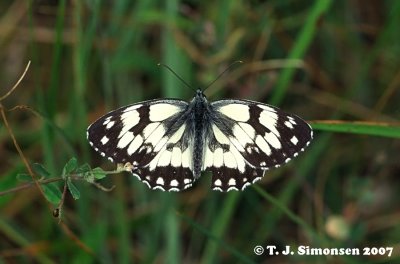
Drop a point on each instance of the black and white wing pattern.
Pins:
(249, 138)
(149, 137)
(168, 143)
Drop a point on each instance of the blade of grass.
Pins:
(240, 256)
(55, 74)
(219, 227)
(14, 234)
(172, 58)
(374, 54)
(365, 128)
(172, 232)
(48, 100)
(272, 216)
(299, 221)
(85, 30)
(222, 19)
(301, 44)
(122, 227)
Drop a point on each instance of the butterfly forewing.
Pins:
(150, 136)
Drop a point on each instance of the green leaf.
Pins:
(99, 173)
(52, 193)
(84, 168)
(24, 177)
(73, 190)
(69, 167)
(40, 170)
(366, 128)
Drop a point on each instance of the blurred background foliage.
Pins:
(322, 60)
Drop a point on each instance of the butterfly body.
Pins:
(199, 106)
(170, 142)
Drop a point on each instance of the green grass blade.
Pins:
(123, 229)
(298, 220)
(240, 256)
(271, 217)
(300, 47)
(365, 128)
(172, 231)
(92, 232)
(219, 227)
(172, 57)
(17, 236)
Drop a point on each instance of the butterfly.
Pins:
(168, 143)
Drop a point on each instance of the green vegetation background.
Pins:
(323, 60)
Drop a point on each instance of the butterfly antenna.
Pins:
(222, 73)
(176, 75)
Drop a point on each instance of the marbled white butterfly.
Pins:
(168, 143)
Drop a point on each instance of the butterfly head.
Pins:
(200, 96)
(200, 93)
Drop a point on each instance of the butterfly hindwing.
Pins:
(230, 171)
(171, 169)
